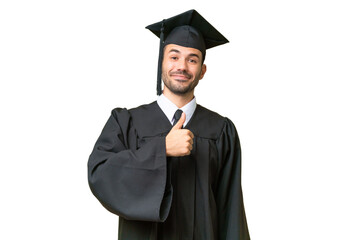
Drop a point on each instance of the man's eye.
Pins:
(173, 58)
(192, 61)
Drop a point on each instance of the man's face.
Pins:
(182, 69)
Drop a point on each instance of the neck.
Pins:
(178, 100)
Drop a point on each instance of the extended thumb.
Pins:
(181, 121)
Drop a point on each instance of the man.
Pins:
(171, 169)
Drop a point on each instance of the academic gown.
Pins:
(197, 197)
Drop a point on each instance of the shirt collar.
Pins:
(169, 108)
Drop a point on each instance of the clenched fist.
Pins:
(179, 141)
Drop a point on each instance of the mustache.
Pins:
(187, 75)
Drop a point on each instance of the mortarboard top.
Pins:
(188, 29)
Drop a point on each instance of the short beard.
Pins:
(179, 90)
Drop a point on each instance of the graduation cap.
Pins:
(188, 29)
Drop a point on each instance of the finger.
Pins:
(181, 121)
(191, 134)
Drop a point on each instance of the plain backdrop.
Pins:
(288, 79)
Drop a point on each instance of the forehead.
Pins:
(182, 50)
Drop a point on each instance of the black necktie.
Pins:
(177, 116)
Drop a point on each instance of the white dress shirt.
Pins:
(169, 108)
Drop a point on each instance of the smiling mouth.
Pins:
(181, 78)
(180, 75)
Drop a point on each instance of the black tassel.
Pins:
(161, 55)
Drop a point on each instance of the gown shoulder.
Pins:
(207, 123)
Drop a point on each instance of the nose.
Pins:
(182, 65)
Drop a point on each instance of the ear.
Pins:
(203, 71)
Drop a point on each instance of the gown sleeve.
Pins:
(129, 181)
(229, 198)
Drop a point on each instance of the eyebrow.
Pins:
(194, 55)
(191, 54)
(174, 50)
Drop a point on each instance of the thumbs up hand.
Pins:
(181, 121)
(179, 141)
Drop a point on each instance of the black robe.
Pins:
(196, 197)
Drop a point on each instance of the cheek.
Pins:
(167, 67)
(196, 71)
